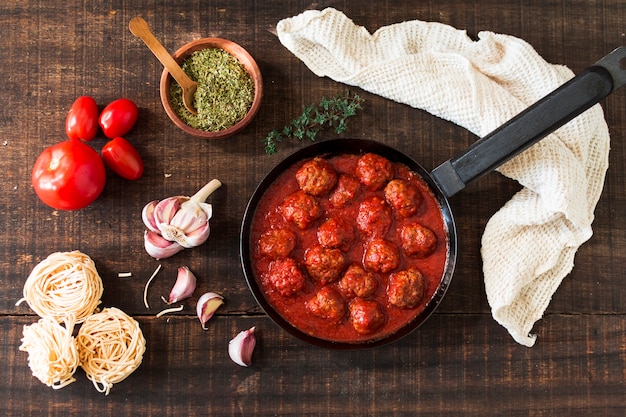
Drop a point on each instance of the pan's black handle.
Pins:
(534, 123)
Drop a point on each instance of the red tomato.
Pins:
(69, 175)
(118, 117)
(82, 119)
(123, 158)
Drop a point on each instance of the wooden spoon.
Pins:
(139, 27)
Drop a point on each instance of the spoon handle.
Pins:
(139, 27)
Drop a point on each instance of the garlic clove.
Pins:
(166, 209)
(207, 306)
(192, 217)
(184, 287)
(147, 215)
(241, 347)
(158, 247)
(197, 237)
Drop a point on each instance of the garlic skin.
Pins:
(241, 347)
(179, 222)
(207, 305)
(184, 287)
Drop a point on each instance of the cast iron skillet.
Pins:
(486, 154)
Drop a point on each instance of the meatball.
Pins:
(381, 256)
(418, 241)
(336, 233)
(277, 243)
(301, 209)
(366, 316)
(374, 171)
(403, 196)
(348, 188)
(324, 265)
(357, 282)
(316, 177)
(327, 304)
(374, 217)
(285, 276)
(406, 288)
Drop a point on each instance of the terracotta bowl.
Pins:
(244, 58)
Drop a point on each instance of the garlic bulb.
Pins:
(179, 222)
(241, 347)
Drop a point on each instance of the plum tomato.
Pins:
(82, 119)
(122, 157)
(118, 117)
(69, 175)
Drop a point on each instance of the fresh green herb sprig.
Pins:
(314, 118)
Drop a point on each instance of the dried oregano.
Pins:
(225, 91)
(328, 113)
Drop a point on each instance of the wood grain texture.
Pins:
(460, 362)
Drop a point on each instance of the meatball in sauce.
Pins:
(381, 256)
(366, 316)
(336, 232)
(418, 241)
(403, 196)
(347, 190)
(374, 171)
(277, 243)
(357, 282)
(324, 264)
(406, 288)
(328, 304)
(285, 277)
(374, 217)
(300, 209)
(316, 177)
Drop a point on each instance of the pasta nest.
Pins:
(52, 351)
(110, 347)
(64, 282)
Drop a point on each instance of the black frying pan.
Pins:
(486, 154)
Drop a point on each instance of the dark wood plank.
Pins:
(460, 361)
(453, 364)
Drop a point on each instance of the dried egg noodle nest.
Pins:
(52, 351)
(110, 346)
(64, 282)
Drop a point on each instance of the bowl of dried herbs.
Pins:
(230, 88)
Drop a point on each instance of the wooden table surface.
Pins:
(460, 362)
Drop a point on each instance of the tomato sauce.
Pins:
(293, 307)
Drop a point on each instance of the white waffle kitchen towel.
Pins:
(528, 246)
